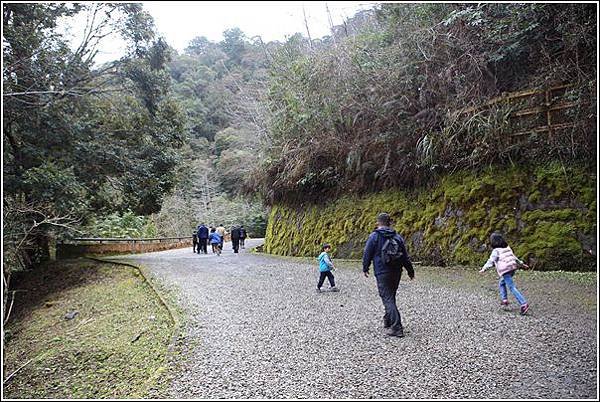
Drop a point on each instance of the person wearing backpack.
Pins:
(386, 250)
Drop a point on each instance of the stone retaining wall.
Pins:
(547, 213)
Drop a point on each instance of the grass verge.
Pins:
(180, 346)
(115, 347)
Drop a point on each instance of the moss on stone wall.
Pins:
(548, 214)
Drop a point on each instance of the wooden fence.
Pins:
(537, 110)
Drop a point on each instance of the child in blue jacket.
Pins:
(215, 241)
(325, 267)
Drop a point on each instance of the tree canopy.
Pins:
(82, 140)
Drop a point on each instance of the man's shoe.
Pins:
(334, 289)
(319, 290)
(399, 333)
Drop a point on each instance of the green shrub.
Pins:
(122, 225)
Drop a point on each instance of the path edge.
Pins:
(176, 317)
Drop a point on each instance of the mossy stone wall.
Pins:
(547, 213)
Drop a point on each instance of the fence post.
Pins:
(549, 114)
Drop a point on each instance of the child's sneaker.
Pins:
(334, 289)
(524, 309)
(504, 303)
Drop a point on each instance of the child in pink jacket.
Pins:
(506, 264)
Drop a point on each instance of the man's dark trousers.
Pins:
(203, 246)
(387, 284)
(235, 244)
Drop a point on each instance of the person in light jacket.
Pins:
(222, 232)
(506, 264)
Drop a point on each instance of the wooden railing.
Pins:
(545, 109)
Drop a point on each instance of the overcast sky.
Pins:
(179, 22)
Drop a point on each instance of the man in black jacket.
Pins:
(235, 238)
(386, 249)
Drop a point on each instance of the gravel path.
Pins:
(257, 329)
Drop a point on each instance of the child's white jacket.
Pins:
(504, 259)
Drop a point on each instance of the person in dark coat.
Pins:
(202, 238)
(194, 241)
(243, 235)
(235, 239)
(386, 249)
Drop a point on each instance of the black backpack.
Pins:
(391, 251)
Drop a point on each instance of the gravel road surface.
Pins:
(257, 329)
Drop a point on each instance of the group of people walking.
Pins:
(386, 250)
(215, 236)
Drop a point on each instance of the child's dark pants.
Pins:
(387, 284)
(328, 275)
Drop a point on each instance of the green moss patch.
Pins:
(548, 214)
(115, 347)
